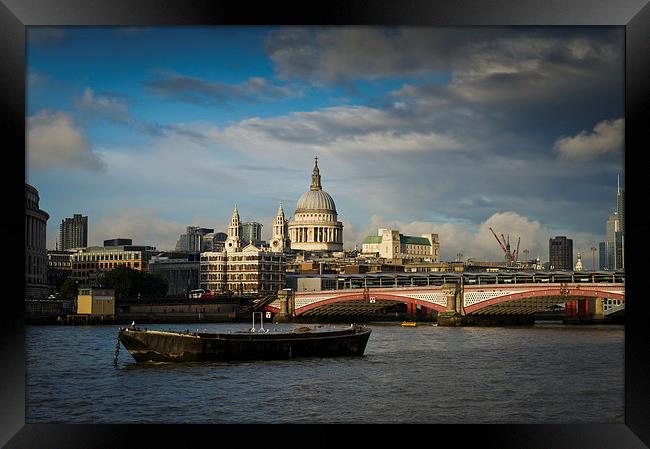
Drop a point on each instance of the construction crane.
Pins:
(515, 254)
(505, 246)
(504, 243)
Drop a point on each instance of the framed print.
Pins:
(414, 131)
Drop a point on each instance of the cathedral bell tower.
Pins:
(279, 241)
(233, 241)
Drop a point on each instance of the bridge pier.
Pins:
(455, 313)
(287, 306)
(584, 311)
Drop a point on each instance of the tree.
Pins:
(69, 288)
(129, 282)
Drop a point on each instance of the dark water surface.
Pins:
(547, 373)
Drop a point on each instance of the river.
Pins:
(547, 373)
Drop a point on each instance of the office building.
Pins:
(73, 232)
(59, 266)
(250, 271)
(251, 233)
(118, 242)
(88, 263)
(192, 240)
(181, 273)
(560, 253)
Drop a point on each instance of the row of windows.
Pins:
(103, 265)
(240, 277)
(239, 267)
(95, 257)
(58, 264)
(248, 288)
(241, 258)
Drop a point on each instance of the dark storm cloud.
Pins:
(534, 82)
(335, 54)
(198, 91)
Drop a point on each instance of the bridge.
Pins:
(462, 297)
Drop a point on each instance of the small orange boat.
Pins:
(409, 323)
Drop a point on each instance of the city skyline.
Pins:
(445, 130)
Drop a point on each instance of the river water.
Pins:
(547, 373)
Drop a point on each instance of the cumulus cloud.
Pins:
(472, 240)
(606, 137)
(108, 107)
(54, 140)
(195, 90)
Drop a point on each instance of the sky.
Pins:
(450, 130)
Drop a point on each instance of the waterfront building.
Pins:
(73, 232)
(192, 240)
(213, 271)
(36, 285)
(181, 273)
(315, 226)
(88, 263)
(391, 244)
(251, 233)
(560, 253)
(59, 266)
(249, 271)
(96, 301)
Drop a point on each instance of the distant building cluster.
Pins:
(240, 262)
(612, 251)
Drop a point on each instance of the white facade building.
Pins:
(249, 271)
(390, 244)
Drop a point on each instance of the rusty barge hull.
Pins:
(161, 346)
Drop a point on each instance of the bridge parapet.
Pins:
(462, 299)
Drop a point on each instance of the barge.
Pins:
(170, 346)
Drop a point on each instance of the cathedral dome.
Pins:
(315, 226)
(315, 200)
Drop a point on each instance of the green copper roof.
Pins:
(414, 240)
(406, 239)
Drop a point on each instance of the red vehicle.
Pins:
(208, 295)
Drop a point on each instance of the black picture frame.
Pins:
(634, 15)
